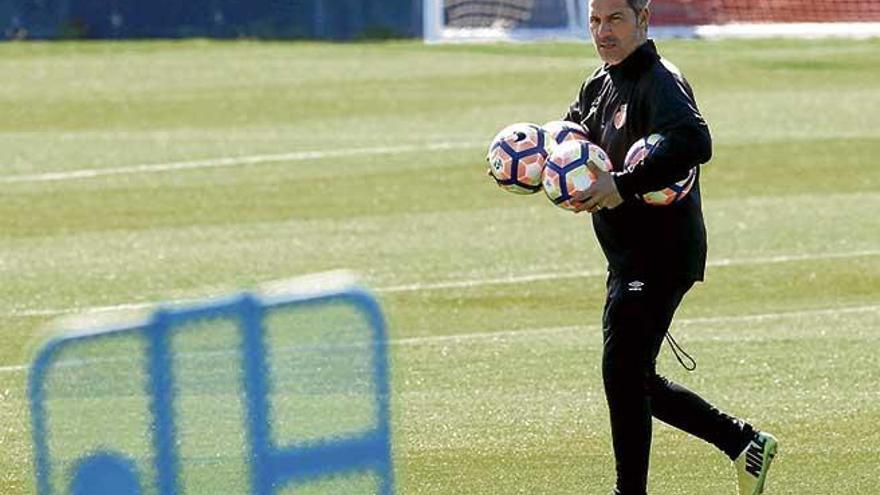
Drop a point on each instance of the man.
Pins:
(655, 254)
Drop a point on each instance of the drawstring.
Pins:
(676, 347)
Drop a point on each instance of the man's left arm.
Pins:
(669, 110)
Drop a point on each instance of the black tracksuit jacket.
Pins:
(642, 95)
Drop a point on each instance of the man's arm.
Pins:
(575, 113)
(670, 110)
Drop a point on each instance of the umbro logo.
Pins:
(635, 286)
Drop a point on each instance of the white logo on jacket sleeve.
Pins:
(635, 286)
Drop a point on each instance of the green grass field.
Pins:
(493, 300)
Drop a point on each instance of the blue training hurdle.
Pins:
(272, 464)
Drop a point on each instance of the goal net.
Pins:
(493, 20)
(765, 18)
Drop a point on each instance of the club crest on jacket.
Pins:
(620, 117)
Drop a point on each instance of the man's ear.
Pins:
(644, 17)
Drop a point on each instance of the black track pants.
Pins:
(637, 315)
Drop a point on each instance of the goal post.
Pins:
(526, 20)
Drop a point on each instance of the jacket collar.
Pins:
(637, 61)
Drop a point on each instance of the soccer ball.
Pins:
(566, 170)
(561, 131)
(516, 158)
(636, 156)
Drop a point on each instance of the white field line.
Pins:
(531, 332)
(516, 279)
(229, 162)
(481, 282)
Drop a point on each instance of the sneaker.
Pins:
(754, 462)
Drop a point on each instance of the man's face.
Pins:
(616, 29)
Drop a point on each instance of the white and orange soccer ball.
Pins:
(635, 157)
(516, 158)
(561, 131)
(566, 172)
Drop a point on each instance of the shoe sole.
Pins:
(770, 448)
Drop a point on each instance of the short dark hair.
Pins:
(638, 5)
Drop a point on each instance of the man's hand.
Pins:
(601, 194)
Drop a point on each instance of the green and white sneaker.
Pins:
(754, 462)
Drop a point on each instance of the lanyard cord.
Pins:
(676, 347)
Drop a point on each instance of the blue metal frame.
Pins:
(326, 19)
(271, 466)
